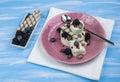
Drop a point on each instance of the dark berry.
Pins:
(15, 41)
(19, 33)
(26, 36)
(26, 30)
(23, 42)
(52, 40)
(29, 30)
(76, 43)
(67, 51)
(58, 30)
(65, 34)
(29, 33)
(19, 38)
(76, 22)
(87, 36)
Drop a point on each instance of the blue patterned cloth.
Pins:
(13, 65)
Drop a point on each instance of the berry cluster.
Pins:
(68, 52)
(76, 22)
(59, 30)
(25, 29)
(21, 37)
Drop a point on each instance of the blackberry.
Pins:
(19, 33)
(65, 34)
(26, 36)
(52, 40)
(29, 30)
(26, 30)
(87, 36)
(15, 41)
(76, 43)
(19, 38)
(67, 51)
(29, 33)
(76, 22)
(23, 42)
(58, 30)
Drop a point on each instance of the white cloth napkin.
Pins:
(91, 69)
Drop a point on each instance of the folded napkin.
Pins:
(91, 69)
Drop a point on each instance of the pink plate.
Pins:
(53, 49)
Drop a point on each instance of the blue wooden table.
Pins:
(13, 65)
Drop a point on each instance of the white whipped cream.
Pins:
(78, 34)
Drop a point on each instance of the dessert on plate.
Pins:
(75, 38)
(68, 41)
